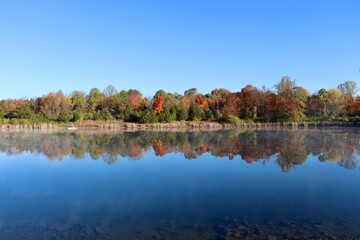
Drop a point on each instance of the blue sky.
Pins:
(175, 45)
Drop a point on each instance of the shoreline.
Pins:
(101, 125)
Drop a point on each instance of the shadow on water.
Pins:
(301, 189)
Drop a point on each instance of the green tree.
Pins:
(195, 113)
(65, 116)
(148, 116)
(208, 115)
(94, 99)
(164, 115)
(78, 101)
(160, 93)
(173, 113)
(2, 112)
(106, 115)
(181, 114)
(124, 114)
(25, 111)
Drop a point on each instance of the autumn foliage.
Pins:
(289, 102)
(158, 104)
(201, 102)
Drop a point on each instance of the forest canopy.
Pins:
(288, 102)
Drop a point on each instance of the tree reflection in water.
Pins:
(288, 147)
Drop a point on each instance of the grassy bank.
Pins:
(89, 124)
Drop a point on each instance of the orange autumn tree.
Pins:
(249, 101)
(349, 90)
(55, 106)
(290, 102)
(134, 99)
(201, 101)
(158, 104)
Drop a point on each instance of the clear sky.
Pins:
(175, 45)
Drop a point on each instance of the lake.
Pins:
(235, 184)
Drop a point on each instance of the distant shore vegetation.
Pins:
(288, 103)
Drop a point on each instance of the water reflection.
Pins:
(159, 194)
(288, 148)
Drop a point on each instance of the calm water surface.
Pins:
(272, 184)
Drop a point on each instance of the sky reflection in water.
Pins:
(158, 185)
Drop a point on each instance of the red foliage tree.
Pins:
(201, 101)
(158, 104)
(350, 105)
(232, 104)
(135, 101)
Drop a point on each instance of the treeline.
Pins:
(288, 103)
(287, 148)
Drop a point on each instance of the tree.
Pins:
(249, 101)
(323, 97)
(335, 103)
(316, 106)
(201, 101)
(208, 115)
(301, 95)
(93, 101)
(356, 107)
(55, 106)
(109, 91)
(188, 99)
(24, 110)
(134, 99)
(217, 99)
(348, 88)
(181, 114)
(285, 86)
(164, 116)
(195, 113)
(78, 102)
(173, 113)
(160, 93)
(121, 108)
(191, 91)
(148, 116)
(125, 114)
(158, 104)
(106, 115)
(18, 108)
(169, 98)
(290, 100)
(232, 104)
(64, 115)
(2, 109)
